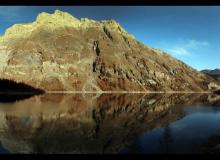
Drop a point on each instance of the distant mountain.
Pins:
(59, 52)
(215, 73)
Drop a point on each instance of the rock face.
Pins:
(59, 52)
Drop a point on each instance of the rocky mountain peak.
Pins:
(59, 19)
(59, 52)
(49, 22)
(113, 25)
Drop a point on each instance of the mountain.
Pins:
(58, 52)
(215, 73)
(211, 72)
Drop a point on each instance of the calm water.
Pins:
(110, 123)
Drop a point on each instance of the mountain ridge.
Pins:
(215, 73)
(61, 19)
(211, 71)
(58, 52)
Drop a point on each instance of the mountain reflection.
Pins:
(166, 140)
(90, 123)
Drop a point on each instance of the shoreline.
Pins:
(110, 92)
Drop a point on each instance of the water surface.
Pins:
(111, 123)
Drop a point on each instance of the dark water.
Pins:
(187, 135)
(111, 123)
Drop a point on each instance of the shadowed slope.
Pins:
(11, 91)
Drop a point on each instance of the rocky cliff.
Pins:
(59, 52)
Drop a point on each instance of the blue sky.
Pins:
(189, 33)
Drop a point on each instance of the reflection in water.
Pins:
(13, 97)
(166, 140)
(90, 123)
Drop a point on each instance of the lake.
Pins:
(110, 123)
